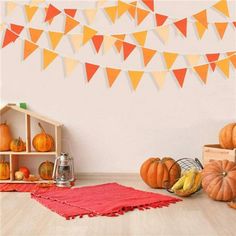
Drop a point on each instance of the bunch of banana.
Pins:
(189, 183)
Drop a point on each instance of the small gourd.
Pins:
(17, 145)
(4, 170)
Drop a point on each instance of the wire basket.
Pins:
(185, 164)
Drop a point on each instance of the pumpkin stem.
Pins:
(224, 173)
(41, 127)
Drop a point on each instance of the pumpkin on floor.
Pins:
(4, 170)
(46, 170)
(219, 180)
(227, 136)
(6, 137)
(155, 172)
(17, 145)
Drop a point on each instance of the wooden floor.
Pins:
(198, 215)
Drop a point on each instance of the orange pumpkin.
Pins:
(156, 172)
(4, 170)
(46, 170)
(219, 180)
(43, 142)
(227, 136)
(6, 138)
(17, 145)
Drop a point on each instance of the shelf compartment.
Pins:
(27, 153)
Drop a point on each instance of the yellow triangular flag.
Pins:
(200, 29)
(192, 59)
(88, 33)
(48, 57)
(10, 7)
(55, 38)
(222, 7)
(76, 41)
(70, 24)
(169, 58)
(122, 8)
(224, 66)
(90, 14)
(140, 37)
(100, 3)
(135, 77)
(69, 65)
(30, 12)
(108, 42)
(163, 33)
(159, 77)
(111, 12)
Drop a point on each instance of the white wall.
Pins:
(115, 130)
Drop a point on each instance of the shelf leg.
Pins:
(28, 133)
(13, 166)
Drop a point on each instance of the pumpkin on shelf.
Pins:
(6, 137)
(227, 136)
(219, 180)
(156, 172)
(46, 170)
(17, 145)
(4, 170)
(43, 142)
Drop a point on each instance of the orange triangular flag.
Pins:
(169, 58)
(140, 37)
(97, 42)
(182, 26)
(160, 19)
(127, 49)
(149, 4)
(212, 58)
(48, 57)
(222, 7)
(118, 45)
(119, 36)
(180, 75)
(233, 60)
(221, 27)
(70, 24)
(112, 74)
(147, 55)
(90, 70)
(224, 66)
(234, 23)
(135, 77)
(141, 15)
(132, 9)
(29, 48)
(55, 38)
(9, 37)
(202, 72)
(202, 18)
(17, 28)
(111, 12)
(122, 8)
(200, 29)
(30, 12)
(35, 34)
(70, 12)
(88, 33)
(159, 77)
(51, 13)
(230, 53)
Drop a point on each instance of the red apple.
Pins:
(25, 171)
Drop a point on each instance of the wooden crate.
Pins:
(215, 152)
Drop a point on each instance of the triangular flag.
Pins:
(29, 48)
(132, 9)
(141, 15)
(70, 12)
(76, 41)
(212, 58)
(2, 26)
(70, 24)
(111, 12)
(160, 19)
(221, 27)
(222, 7)
(112, 74)
(100, 3)
(149, 4)
(118, 45)
(69, 65)
(97, 42)
(46, 10)
(202, 72)
(234, 23)
(140, 37)
(36, 2)
(147, 55)
(35, 34)
(90, 14)
(88, 33)
(192, 59)
(230, 53)
(224, 66)
(159, 77)
(55, 38)
(17, 28)
(200, 29)
(202, 18)
(9, 38)
(233, 60)
(169, 58)
(51, 12)
(122, 7)
(163, 33)
(108, 42)
(182, 26)
(180, 75)
(48, 57)
(119, 36)
(127, 49)
(135, 77)
(10, 7)
(30, 12)
(90, 70)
